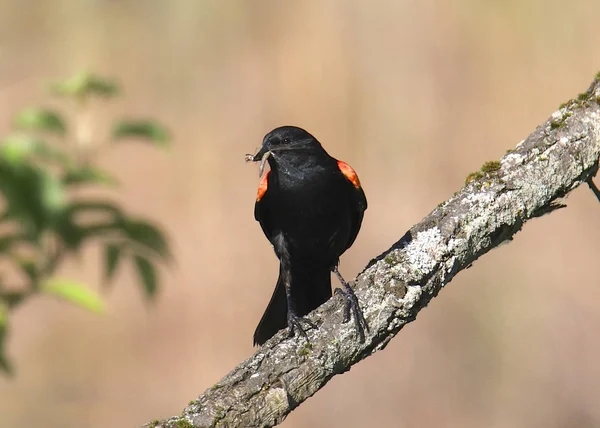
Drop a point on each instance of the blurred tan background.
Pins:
(414, 95)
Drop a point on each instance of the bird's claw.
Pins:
(351, 306)
(295, 324)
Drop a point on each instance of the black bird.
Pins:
(310, 207)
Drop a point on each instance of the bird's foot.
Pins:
(295, 325)
(351, 306)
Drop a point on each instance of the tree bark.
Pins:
(529, 181)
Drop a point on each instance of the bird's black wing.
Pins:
(357, 199)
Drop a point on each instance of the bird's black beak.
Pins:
(258, 155)
(262, 155)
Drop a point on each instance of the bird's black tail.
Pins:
(275, 316)
(310, 289)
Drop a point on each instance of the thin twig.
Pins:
(592, 185)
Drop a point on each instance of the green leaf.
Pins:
(29, 268)
(147, 274)
(88, 175)
(14, 298)
(149, 130)
(18, 148)
(5, 365)
(84, 84)
(69, 232)
(53, 194)
(40, 119)
(75, 293)
(33, 196)
(3, 316)
(112, 257)
(74, 225)
(148, 236)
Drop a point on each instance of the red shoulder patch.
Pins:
(349, 173)
(262, 187)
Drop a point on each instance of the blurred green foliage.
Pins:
(43, 221)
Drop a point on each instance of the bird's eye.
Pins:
(286, 141)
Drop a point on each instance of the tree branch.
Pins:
(527, 182)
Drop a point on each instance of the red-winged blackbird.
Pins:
(310, 206)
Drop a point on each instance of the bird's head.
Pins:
(285, 142)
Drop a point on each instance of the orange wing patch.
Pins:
(262, 187)
(349, 173)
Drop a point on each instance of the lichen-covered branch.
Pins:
(527, 182)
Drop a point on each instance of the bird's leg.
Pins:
(294, 321)
(351, 305)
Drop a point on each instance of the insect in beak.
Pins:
(255, 158)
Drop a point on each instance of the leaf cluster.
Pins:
(45, 217)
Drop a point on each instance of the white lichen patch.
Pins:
(449, 265)
(399, 271)
(479, 198)
(412, 296)
(504, 200)
(425, 249)
(561, 113)
(512, 159)
(455, 243)
(475, 226)
(563, 140)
